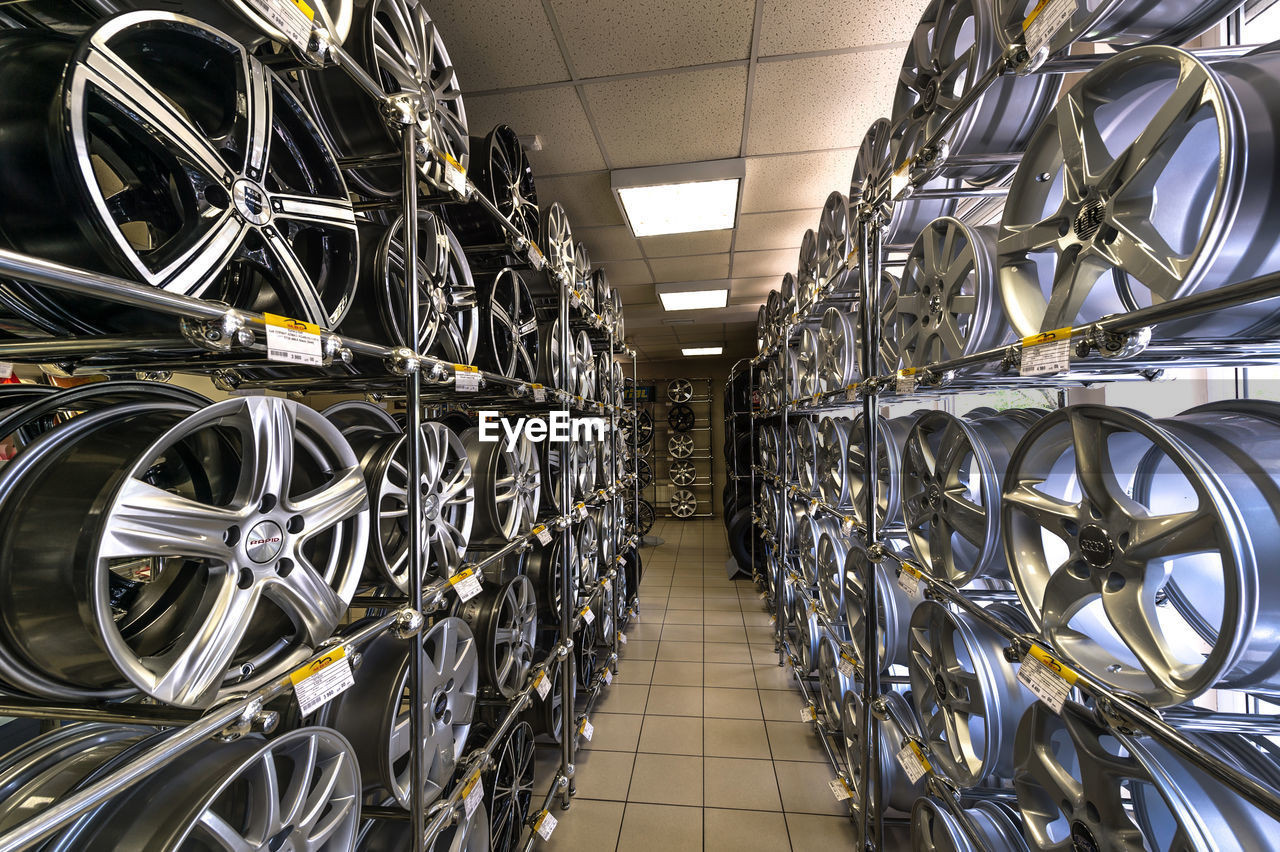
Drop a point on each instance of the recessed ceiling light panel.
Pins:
(704, 350)
(680, 199)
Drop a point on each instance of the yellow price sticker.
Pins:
(291, 324)
(334, 656)
(1054, 665)
(1046, 337)
(305, 9)
(1035, 13)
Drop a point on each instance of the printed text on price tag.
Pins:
(1046, 353)
(316, 683)
(913, 762)
(1050, 680)
(292, 341)
(466, 584)
(466, 379)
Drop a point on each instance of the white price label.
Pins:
(542, 534)
(622, 638)
(851, 394)
(466, 584)
(808, 713)
(586, 729)
(913, 762)
(900, 178)
(1046, 677)
(294, 18)
(316, 683)
(535, 256)
(539, 393)
(1046, 353)
(840, 790)
(455, 177)
(545, 825)
(466, 379)
(542, 685)
(906, 381)
(587, 615)
(575, 300)
(909, 580)
(474, 793)
(292, 341)
(846, 666)
(1045, 20)
(846, 527)
(608, 677)
(581, 510)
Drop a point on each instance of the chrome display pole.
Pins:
(568, 577)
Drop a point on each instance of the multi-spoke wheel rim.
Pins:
(807, 362)
(807, 271)
(588, 550)
(680, 446)
(948, 303)
(829, 567)
(679, 390)
(583, 283)
(683, 473)
(834, 242)
(886, 310)
(557, 242)
(895, 607)
(966, 693)
(837, 351)
(897, 790)
(509, 788)
(512, 325)
(504, 618)
(834, 441)
(790, 301)
(1089, 240)
(808, 473)
(507, 482)
(936, 829)
(869, 184)
(1116, 22)
(187, 166)
(683, 503)
(506, 179)
(257, 542)
(1107, 515)
(585, 364)
(892, 438)
(832, 685)
(640, 428)
(773, 311)
(762, 330)
(952, 470)
(681, 418)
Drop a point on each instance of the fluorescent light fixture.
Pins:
(680, 199)
(693, 295)
(705, 350)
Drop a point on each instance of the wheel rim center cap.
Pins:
(1089, 220)
(251, 201)
(440, 706)
(431, 507)
(941, 686)
(1096, 546)
(1082, 839)
(265, 541)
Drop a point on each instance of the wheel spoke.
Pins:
(968, 520)
(1064, 595)
(259, 112)
(1165, 536)
(1140, 164)
(1048, 512)
(267, 465)
(308, 600)
(345, 496)
(323, 213)
(1132, 612)
(215, 829)
(147, 521)
(294, 286)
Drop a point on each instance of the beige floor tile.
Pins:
(682, 633)
(666, 779)
(736, 738)
(810, 833)
(726, 652)
(733, 633)
(623, 698)
(588, 824)
(794, 741)
(682, 652)
(684, 616)
(782, 705)
(722, 703)
(633, 672)
(604, 774)
(671, 673)
(671, 735)
(614, 732)
(738, 783)
(730, 675)
(675, 701)
(658, 827)
(806, 788)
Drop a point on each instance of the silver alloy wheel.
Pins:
(679, 390)
(299, 791)
(832, 684)
(683, 503)
(893, 434)
(808, 473)
(583, 284)
(1106, 513)
(952, 470)
(878, 157)
(551, 361)
(144, 183)
(934, 828)
(1089, 240)
(588, 551)
(790, 300)
(807, 272)
(680, 446)
(683, 473)
(604, 296)
(607, 530)
(511, 322)
(375, 717)
(585, 366)
(835, 244)
(829, 567)
(808, 634)
(835, 437)
(767, 454)
(895, 608)
(952, 47)
(1073, 774)
(257, 544)
(897, 789)
(507, 483)
(504, 620)
(773, 310)
(838, 365)
(807, 531)
(762, 330)
(557, 243)
(948, 298)
(508, 789)
(966, 693)
(807, 362)
(886, 310)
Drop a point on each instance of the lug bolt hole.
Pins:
(232, 536)
(284, 567)
(246, 579)
(1115, 582)
(268, 503)
(217, 196)
(295, 524)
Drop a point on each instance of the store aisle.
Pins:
(698, 743)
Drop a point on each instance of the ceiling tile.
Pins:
(623, 272)
(671, 118)
(499, 43)
(624, 36)
(751, 291)
(820, 102)
(758, 264)
(758, 231)
(698, 268)
(799, 26)
(677, 245)
(795, 181)
(586, 198)
(635, 295)
(612, 243)
(555, 115)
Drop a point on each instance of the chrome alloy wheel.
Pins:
(807, 272)
(835, 244)
(683, 473)
(807, 362)
(681, 445)
(878, 157)
(948, 298)
(832, 684)
(893, 434)
(508, 788)
(511, 325)
(557, 243)
(588, 551)
(895, 608)
(375, 717)
(505, 177)
(552, 361)
(504, 620)
(897, 789)
(808, 473)
(1137, 546)
(583, 283)
(679, 390)
(837, 355)
(833, 553)
(237, 531)
(173, 158)
(936, 829)
(835, 437)
(585, 364)
(507, 484)
(966, 693)
(684, 504)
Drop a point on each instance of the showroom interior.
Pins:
(802, 425)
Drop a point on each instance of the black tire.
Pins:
(741, 530)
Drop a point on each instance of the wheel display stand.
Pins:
(703, 485)
(210, 338)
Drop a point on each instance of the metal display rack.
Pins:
(701, 403)
(210, 338)
(1113, 348)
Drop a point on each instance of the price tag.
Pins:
(852, 259)
(472, 794)
(1046, 353)
(1043, 23)
(846, 666)
(846, 527)
(292, 341)
(466, 584)
(608, 677)
(622, 638)
(294, 18)
(575, 299)
(539, 393)
(1048, 679)
(587, 615)
(542, 685)
(316, 683)
(455, 176)
(899, 179)
(581, 510)
(841, 790)
(536, 258)
(542, 533)
(909, 580)
(466, 379)
(906, 381)
(851, 393)
(913, 762)
(808, 713)
(545, 825)
(586, 729)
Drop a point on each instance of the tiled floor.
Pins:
(698, 743)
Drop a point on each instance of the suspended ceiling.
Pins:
(605, 84)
